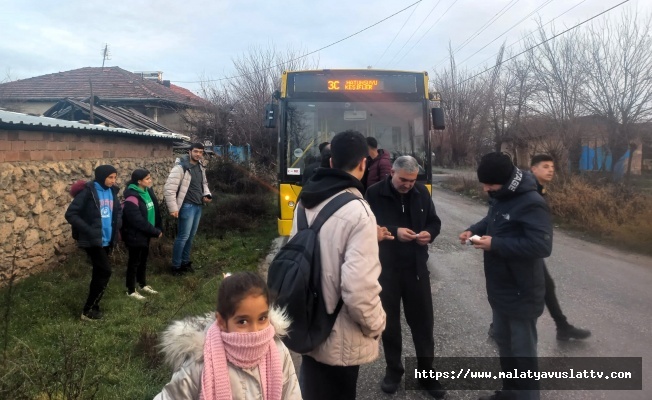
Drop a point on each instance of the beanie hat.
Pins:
(102, 172)
(495, 168)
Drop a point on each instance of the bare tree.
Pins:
(465, 104)
(618, 64)
(259, 73)
(558, 80)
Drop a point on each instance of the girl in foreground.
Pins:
(235, 354)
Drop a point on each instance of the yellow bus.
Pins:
(392, 106)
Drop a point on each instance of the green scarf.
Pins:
(151, 214)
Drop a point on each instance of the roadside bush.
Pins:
(465, 186)
(225, 176)
(604, 210)
(236, 212)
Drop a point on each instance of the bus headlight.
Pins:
(291, 204)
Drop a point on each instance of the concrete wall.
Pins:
(35, 184)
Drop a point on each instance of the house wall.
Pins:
(28, 107)
(36, 172)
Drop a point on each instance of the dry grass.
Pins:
(604, 210)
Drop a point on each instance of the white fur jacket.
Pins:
(182, 345)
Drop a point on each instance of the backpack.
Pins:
(75, 189)
(295, 277)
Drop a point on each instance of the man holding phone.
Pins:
(407, 224)
(186, 191)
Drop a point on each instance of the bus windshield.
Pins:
(397, 126)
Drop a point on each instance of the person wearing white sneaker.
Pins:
(148, 289)
(136, 295)
(141, 221)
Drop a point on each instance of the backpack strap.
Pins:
(330, 209)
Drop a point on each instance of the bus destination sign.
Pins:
(329, 83)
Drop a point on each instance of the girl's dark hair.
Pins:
(138, 175)
(236, 288)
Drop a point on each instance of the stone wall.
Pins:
(34, 196)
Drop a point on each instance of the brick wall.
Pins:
(36, 172)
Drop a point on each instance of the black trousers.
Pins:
(411, 284)
(321, 381)
(551, 301)
(99, 257)
(137, 267)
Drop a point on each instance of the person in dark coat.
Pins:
(311, 168)
(542, 167)
(95, 215)
(141, 221)
(407, 223)
(516, 235)
(378, 163)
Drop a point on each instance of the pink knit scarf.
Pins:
(244, 350)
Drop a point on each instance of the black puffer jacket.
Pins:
(519, 224)
(385, 202)
(136, 229)
(84, 216)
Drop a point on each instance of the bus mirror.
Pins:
(438, 119)
(271, 112)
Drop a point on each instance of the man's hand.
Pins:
(464, 236)
(423, 238)
(174, 214)
(160, 235)
(405, 234)
(483, 243)
(383, 233)
(207, 199)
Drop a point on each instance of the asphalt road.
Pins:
(599, 288)
(604, 290)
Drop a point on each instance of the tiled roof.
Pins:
(9, 119)
(110, 83)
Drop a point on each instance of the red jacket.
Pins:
(379, 168)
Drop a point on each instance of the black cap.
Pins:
(495, 168)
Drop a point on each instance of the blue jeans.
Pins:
(517, 346)
(189, 216)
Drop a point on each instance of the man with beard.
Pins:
(515, 236)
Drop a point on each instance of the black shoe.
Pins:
(491, 332)
(571, 332)
(177, 271)
(91, 315)
(389, 386)
(187, 267)
(433, 388)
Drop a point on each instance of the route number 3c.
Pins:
(333, 85)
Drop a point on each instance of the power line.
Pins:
(487, 24)
(395, 36)
(415, 31)
(426, 32)
(528, 35)
(513, 26)
(545, 41)
(306, 55)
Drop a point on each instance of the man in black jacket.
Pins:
(515, 235)
(407, 223)
(542, 167)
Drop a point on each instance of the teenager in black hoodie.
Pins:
(141, 221)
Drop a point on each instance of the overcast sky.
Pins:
(188, 40)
